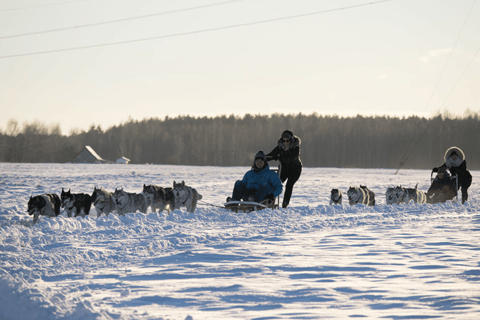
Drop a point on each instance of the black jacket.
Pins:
(290, 159)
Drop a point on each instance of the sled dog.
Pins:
(103, 201)
(335, 197)
(405, 195)
(391, 197)
(44, 205)
(126, 202)
(361, 195)
(185, 196)
(159, 198)
(76, 203)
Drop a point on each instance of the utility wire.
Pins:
(409, 148)
(119, 20)
(430, 122)
(199, 31)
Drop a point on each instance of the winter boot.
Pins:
(464, 196)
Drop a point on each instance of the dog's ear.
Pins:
(183, 183)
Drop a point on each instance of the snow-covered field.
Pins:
(310, 261)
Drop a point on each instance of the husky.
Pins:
(103, 201)
(44, 205)
(185, 196)
(76, 203)
(335, 197)
(405, 195)
(159, 198)
(361, 195)
(390, 195)
(128, 202)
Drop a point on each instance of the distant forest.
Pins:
(327, 141)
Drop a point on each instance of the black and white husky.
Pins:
(44, 205)
(361, 195)
(390, 195)
(126, 202)
(76, 204)
(336, 197)
(405, 195)
(103, 201)
(185, 196)
(159, 198)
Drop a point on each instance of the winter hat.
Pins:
(287, 134)
(260, 155)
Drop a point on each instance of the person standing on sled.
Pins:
(258, 184)
(287, 152)
(457, 165)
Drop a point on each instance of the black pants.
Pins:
(292, 176)
(464, 183)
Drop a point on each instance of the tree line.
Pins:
(327, 141)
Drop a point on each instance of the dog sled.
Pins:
(249, 206)
(454, 178)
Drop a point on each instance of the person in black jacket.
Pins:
(287, 152)
(457, 165)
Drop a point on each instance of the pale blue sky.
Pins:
(379, 59)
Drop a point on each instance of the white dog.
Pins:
(126, 202)
(405, 195)
(159, 198)
(361, 195)
(336, 197)
(391, 197)
(103, 201)
(185, 196)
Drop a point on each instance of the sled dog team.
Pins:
(394, 195)
(119, 201)
(259, 182)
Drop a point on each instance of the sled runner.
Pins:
(248, 206)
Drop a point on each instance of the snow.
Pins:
(309, 261)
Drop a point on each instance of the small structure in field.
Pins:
(123, 160)
(88, 155)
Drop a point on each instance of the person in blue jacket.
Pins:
(259, 183)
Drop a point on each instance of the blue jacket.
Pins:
(267, 177)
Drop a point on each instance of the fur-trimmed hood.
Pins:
(449, 161)
(294, 142)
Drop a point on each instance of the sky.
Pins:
(79, 63)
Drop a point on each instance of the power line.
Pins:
(120, 20)
(199, 31)
(409, 148)
(430, 122)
